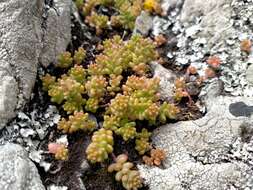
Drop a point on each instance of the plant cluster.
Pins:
(101, 146)
(65, 59)
(131, 101)
(118, 56)
(126, 12)
(180, 89)
(76, 122)
(129, 177)
(139, 101)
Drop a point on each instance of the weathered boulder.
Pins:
(17, 171)
(199, 152)
(23, 36)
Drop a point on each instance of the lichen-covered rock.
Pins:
(196, 176)
(199, 152)
(215, 17)
(249, 74)
(17, 171)
(168, 4)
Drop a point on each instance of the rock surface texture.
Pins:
(167, 79)
(17, 171)
(200, 153)
(214, 152)
(24, 37)
(57, 32)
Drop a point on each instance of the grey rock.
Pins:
(22, 42)
(211, 91)
(54, 187)
(20, 37)
(167, 4)
(143, 23)
(249, 74)
(57, 34)
(17, 171)
(199, 152)
(167, 79)
(215, 17)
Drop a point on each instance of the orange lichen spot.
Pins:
(246, 45)
(191, 70)
(214, 62)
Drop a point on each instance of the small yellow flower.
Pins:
(150, 5)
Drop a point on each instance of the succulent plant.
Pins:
(128, 12)
(101, 146)
(92, 104)
(78, 73)
(70, 91)
(78, 122)
(47, 82)
(156, 157)
(130, 178)
(79, 55)
(65, 60)
(100, 22)
(60, 151)
(96, 86)
(114, 84)
(139, 101)
(131, 101)
(118, 56)
(141, 143)
(89, 6)
(214, 62)
(167, 110)
(128, 131)
(79, 4)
